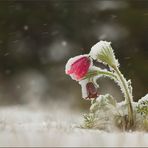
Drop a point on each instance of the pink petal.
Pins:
(79, 68)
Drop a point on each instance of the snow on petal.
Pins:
(77, 67)
(89, 89)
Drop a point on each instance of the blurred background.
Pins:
(38, 37)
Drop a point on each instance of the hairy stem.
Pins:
(101, 72)
(108, 74)
(128, 96)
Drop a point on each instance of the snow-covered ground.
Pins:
(23, 126)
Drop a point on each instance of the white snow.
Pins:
(23, 126)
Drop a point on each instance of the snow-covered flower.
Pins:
(103, 52)
(89, 89)
(77, 67)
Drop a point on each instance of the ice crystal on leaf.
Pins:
(103, 52)
(142, 106)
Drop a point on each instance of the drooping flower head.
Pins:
(103, 52)
(77, 67)
(89, 89)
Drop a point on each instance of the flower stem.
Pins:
(108, 74)
(128, 96)
(101, 72)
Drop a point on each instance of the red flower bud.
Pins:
(78, 67)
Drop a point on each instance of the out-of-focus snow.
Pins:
(24, 126)
(110, 5)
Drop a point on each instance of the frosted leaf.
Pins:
(106, 99)
(103, 102)
(143, 99)
(130, 86)
(142, 106)
(103, 52)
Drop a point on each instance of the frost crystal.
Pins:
(142, 107)
(103, 52)
(143, 99)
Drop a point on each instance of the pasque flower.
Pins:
(103, 52)
(89, 89)
(77, 67)
(81, 69)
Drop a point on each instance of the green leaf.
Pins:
(142, 106)
(103, 102)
